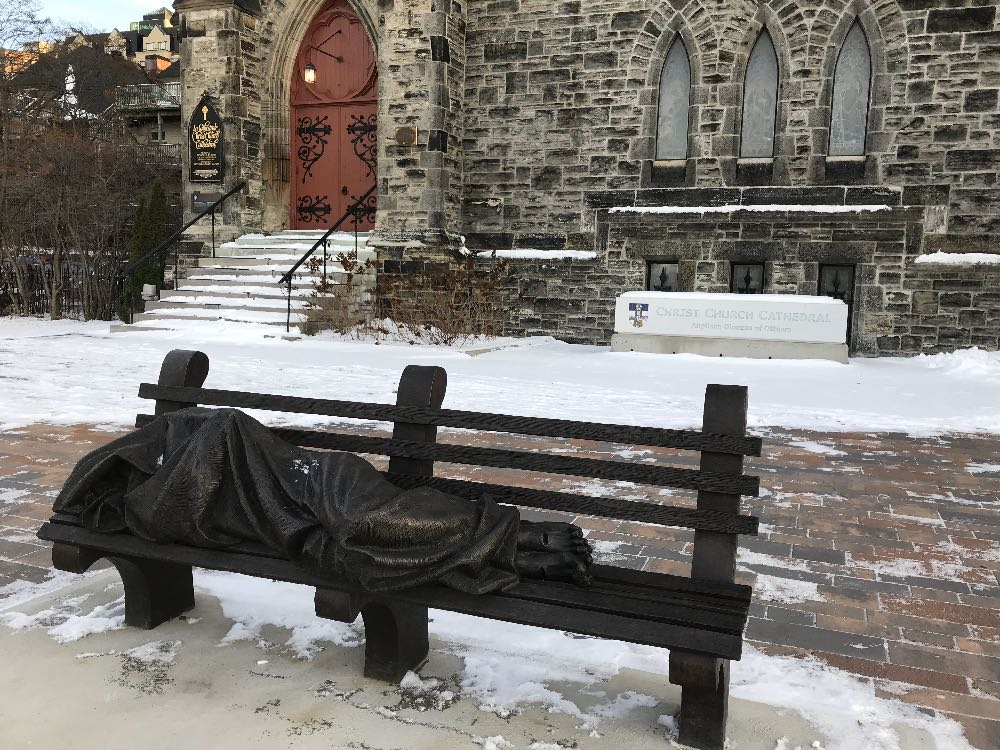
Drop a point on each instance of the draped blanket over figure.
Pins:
(216, 478)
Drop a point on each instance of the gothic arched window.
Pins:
(675, 99)
(852, 82)
(760, 100)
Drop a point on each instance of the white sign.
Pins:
(768, 317)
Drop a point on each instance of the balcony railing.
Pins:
(149, 96)
(152, 154)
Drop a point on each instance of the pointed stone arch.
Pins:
(888, 59)
(284, 26)
(764, 19)
(692, 25)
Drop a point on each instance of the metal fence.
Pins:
(25, 289)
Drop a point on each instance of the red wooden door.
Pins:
(333, 122)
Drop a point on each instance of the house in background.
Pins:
(152, 110)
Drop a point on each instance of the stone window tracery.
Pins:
(760, 100)
(851, 95)
(675, 100)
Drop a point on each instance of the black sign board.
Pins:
(201, 201)
(206, 139)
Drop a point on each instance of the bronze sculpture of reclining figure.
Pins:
(218, 478)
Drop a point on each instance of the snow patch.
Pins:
(492, 743)
(252, 604)
(983, 468)
(959, 259)
(534, 254)
(843, 707)
(812, 447)
(737, 208)
(10, 496)
(157, 652)
(66, 622)
(786, 590)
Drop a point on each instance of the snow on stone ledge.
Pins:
(735, 208)
(960, 259)
(532, 254)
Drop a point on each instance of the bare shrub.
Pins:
(339, 300)
(447, 304)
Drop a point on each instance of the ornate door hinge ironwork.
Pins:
(313, 210)
(314, 134)
(363, 130)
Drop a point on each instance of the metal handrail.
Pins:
(323, 241)
(326, 237)
(131, 268)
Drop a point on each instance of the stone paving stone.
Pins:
(981, 733)
(943, 660)
(934, 610)
(818, 639)
(966, 705)
(845, 522)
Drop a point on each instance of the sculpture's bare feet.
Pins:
(553, 566)
(553, 552)
(552, 537)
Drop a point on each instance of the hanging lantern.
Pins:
(310, 73)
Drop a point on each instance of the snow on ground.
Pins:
(67, 372)
(510, 667)
(971, 468)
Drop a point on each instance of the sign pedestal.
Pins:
(757, 326)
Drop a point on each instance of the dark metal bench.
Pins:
(700, 619)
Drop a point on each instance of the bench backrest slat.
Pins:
(588, 505)
(610, 433)
(659, 476)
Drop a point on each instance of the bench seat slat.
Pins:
(634, 583)
(679, 611)
(585, 505)
(611, 433)
(660, 476)
(639, 628)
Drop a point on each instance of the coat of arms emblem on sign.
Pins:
(638, 314)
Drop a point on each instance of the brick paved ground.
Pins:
(889, 552)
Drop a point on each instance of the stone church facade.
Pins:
(801, 147)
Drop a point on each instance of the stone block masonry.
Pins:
(533, 118)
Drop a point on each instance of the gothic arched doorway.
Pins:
(333, 108)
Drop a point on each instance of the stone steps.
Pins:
(240, 284)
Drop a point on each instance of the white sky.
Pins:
(102, 15)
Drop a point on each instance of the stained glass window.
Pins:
(851, 89)
(760, 100)
(675, 99)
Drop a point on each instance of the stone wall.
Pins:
(899, 306)
(561, 102)
(536, 117)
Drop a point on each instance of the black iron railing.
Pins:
(156, 252)
(357, 209)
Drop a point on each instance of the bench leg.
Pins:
(155, 592)
(396, 639)
(704, 699)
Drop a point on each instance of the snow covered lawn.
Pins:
(68, 373)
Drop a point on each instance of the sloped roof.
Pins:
(171, 73)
